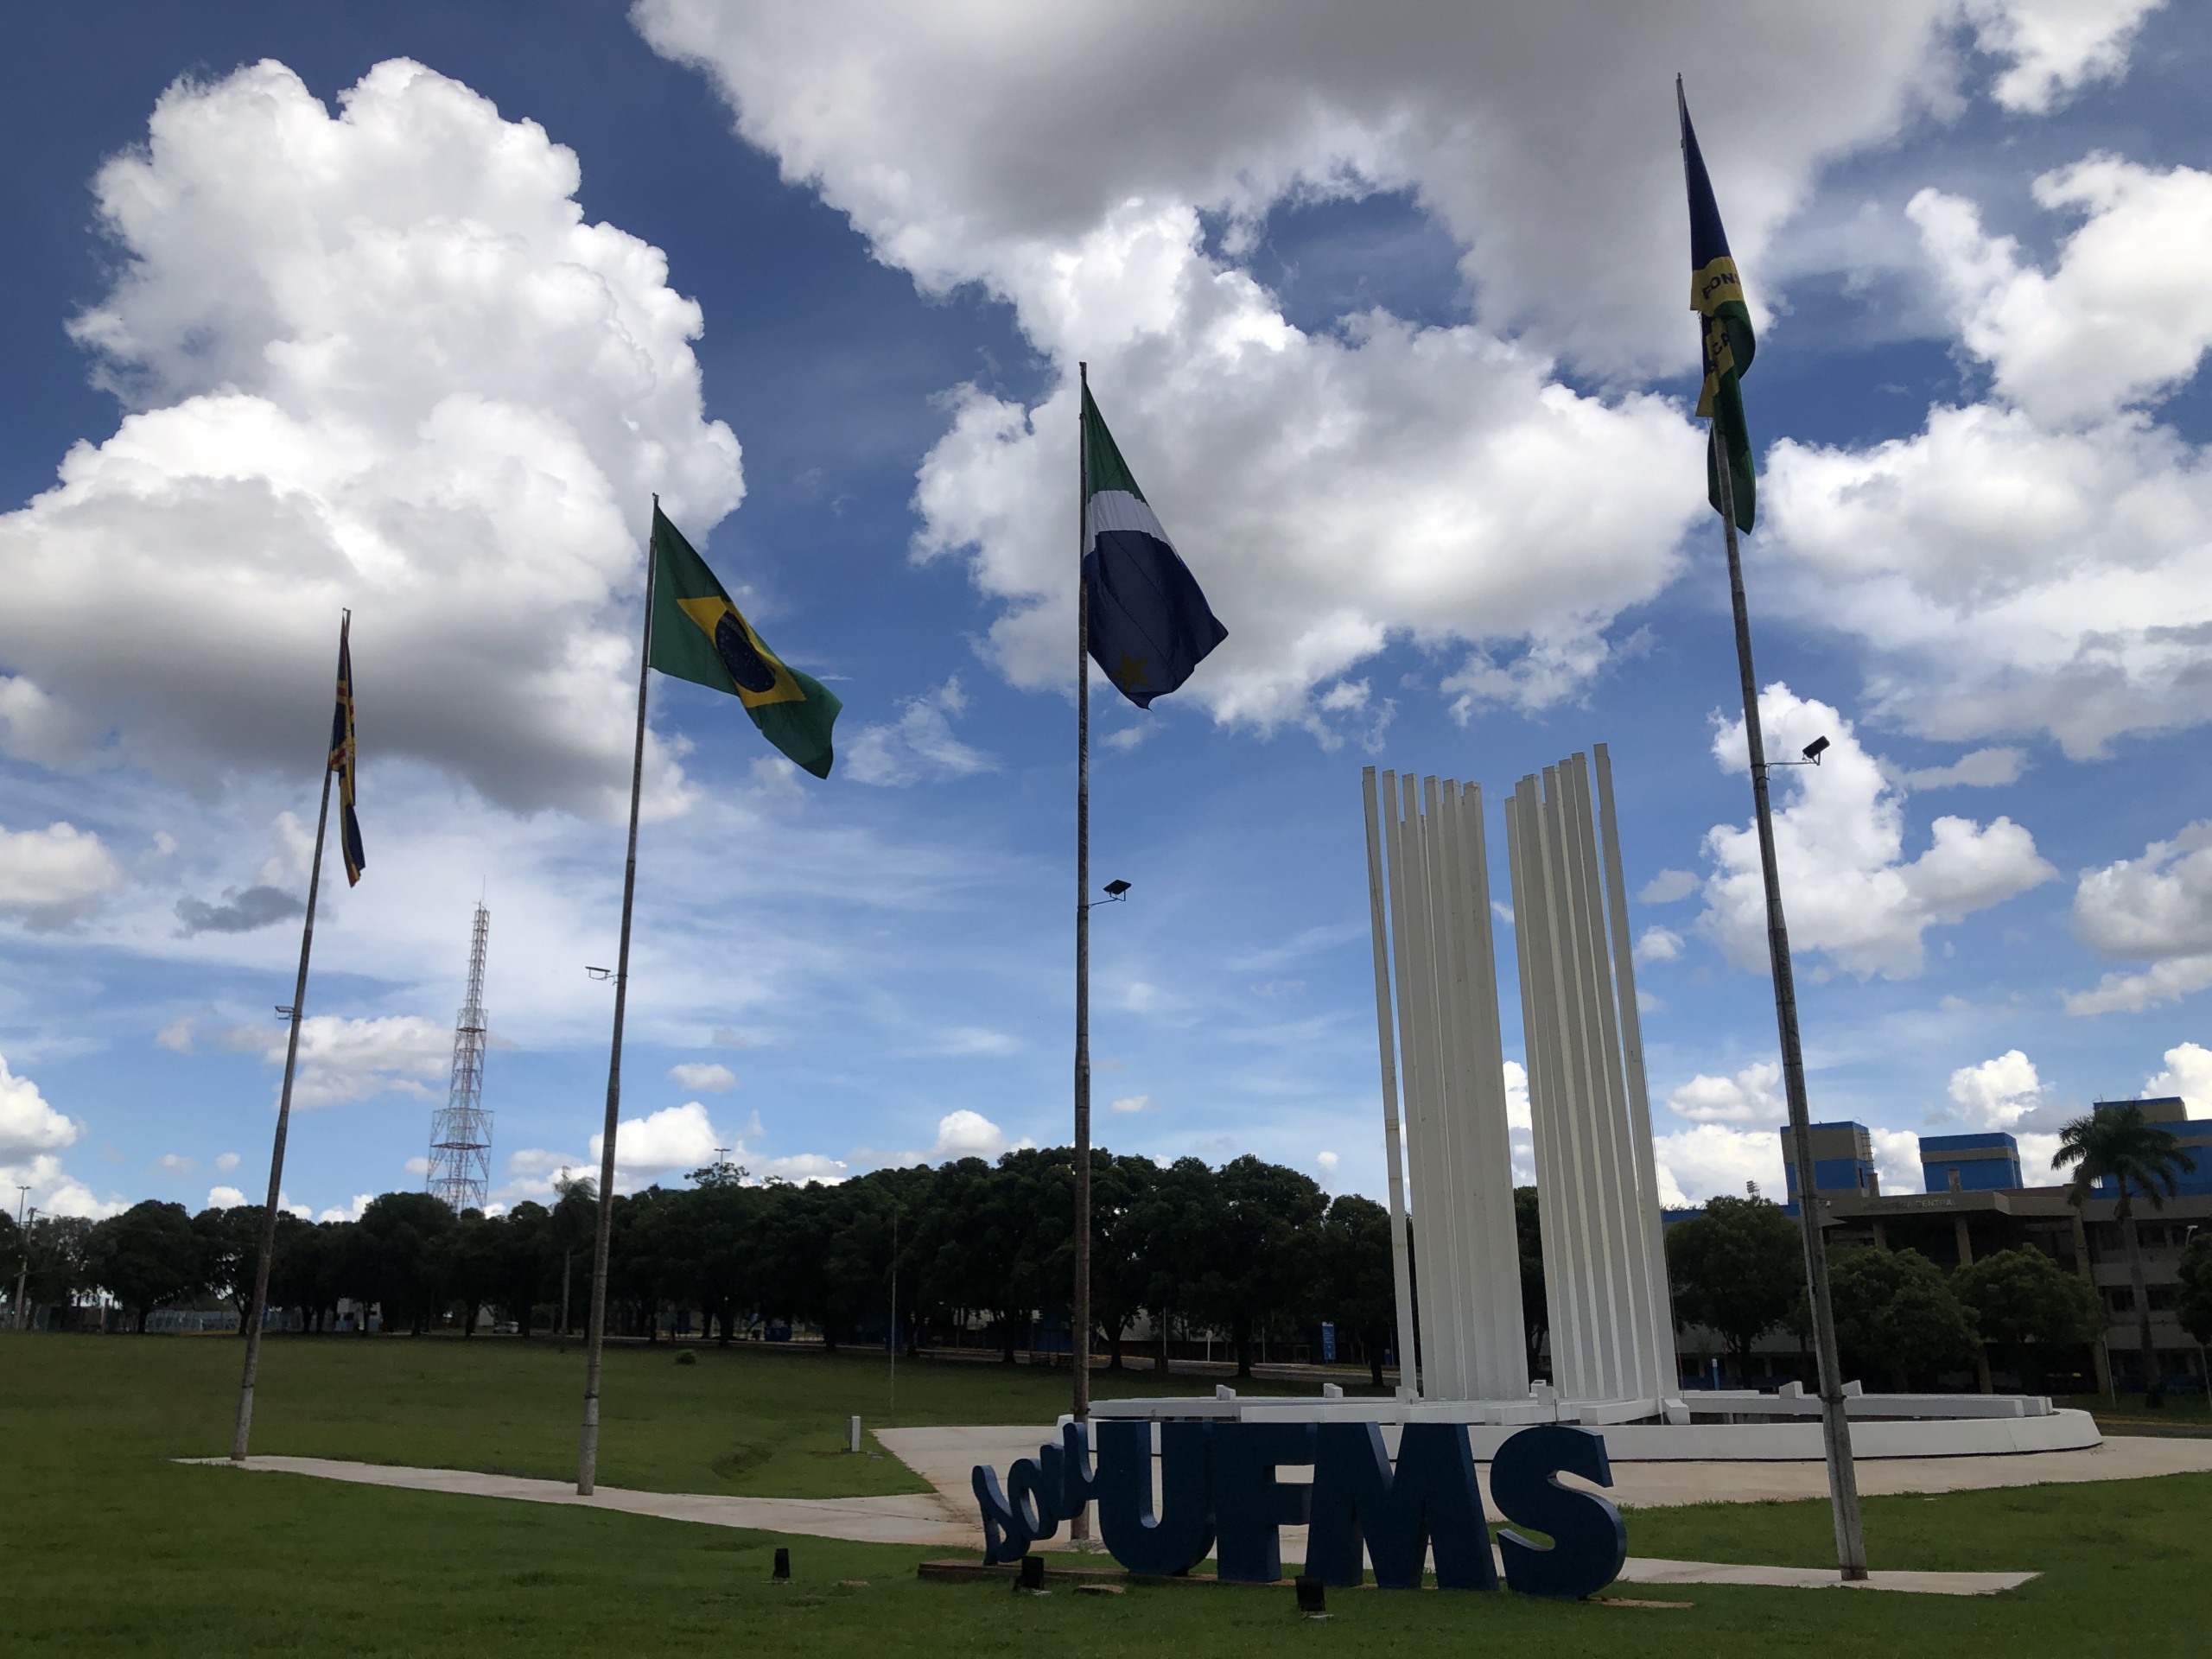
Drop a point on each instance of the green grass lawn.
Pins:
(108, 1546)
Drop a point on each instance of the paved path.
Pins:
(946, 1458)
(921, 1519)
(1640, 1569)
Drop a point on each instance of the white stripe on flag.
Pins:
(1112, 509)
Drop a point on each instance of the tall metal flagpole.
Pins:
(255, 1312)
(1835, 1425)
(595, 1336)
(1079, 1315)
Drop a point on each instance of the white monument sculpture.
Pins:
(1448, 1158)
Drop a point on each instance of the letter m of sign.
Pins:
(1431, 1499)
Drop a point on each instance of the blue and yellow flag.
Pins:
(1717, 295)
(1149, 621)
(344, 754)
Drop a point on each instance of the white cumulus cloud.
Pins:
(343, 1060)
(2040, 560)
(918, 745)
(52, 877)
(1849, 889)
(2055, 47)
(1696, 1164)
(2156, 908)
(706, 1078)
(2188, 1074)
(1997, 1094)
(1105, 169)
(377, 357)
(1751, 1095)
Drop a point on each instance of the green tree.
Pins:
(146, 1258)
(1894, 1313)
(2194, 1307)
(468, 1262)
(1167, 1224)
(11, 1253)
(1119, 1188)
(1258, 1240)
(1357, 1283)
(2025, 1304)
(1739, 1268)
(394, 1259)
(519, 1260)
(58, 1247)
(2118, 1144)
(571, 1236)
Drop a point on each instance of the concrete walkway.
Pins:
(1639, 1569)
(946, 1459)
(920, 1519)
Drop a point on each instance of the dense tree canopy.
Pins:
(146, 1257)
(1896, 1315)
(1250, 1250)
(1739, 1268)
(2026, 1307)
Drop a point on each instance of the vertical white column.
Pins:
(1612, 1158)
(1386, 1040)
(1664, 1365)
(1612, 1335)
(1501, 1350)
(1454, 990)
(1409, 889)
(1563, 1286)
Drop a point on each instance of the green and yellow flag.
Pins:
(1717, 295)
(698, 635)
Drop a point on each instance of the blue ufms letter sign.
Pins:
(1219, 1484)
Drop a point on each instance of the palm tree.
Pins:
(2116, 1142)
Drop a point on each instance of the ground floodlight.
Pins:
(1032, 1577)
(782, 1574)
(1813, 750)
(1313, 1601)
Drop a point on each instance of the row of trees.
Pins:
(1738, 1269)
(1247, 1251)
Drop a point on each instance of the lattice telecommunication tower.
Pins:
(460, 1131)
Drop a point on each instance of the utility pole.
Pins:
(23, 1267)
(1835, 1422)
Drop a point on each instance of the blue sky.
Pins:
(410, 308)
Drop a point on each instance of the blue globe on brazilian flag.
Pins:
(699, 635)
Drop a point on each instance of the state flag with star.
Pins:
(1150, 623)
(699, 635)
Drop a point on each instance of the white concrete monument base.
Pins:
(1718, 1427)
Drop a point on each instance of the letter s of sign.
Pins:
(1588, 1542)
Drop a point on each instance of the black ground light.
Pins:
(1032, 1579)
(1312, 1601)
(782, 1574)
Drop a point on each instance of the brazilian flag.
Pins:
(698, 635)
(1717, 295)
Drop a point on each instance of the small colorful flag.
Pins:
(344, 754)
(699, 635)
(1717, 295)
(1150, 625)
